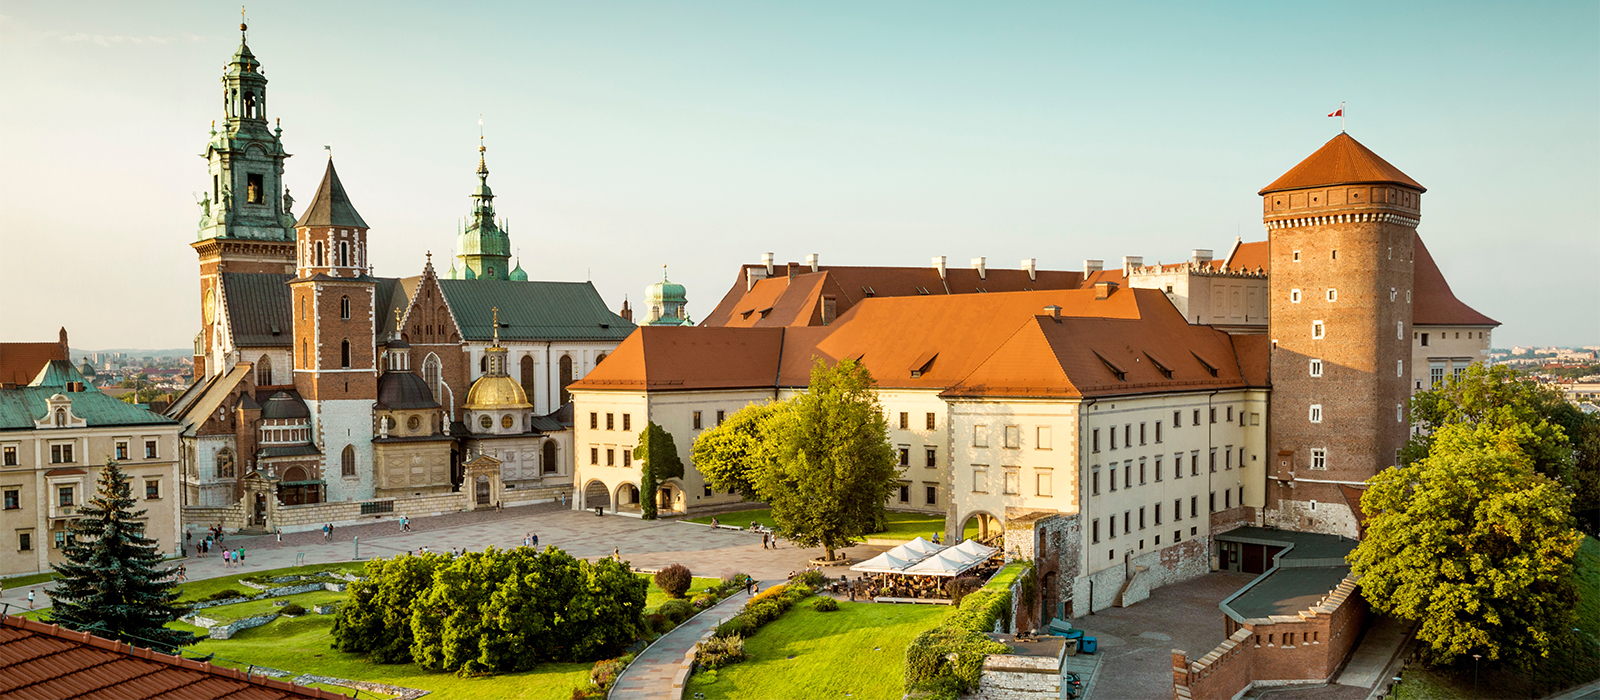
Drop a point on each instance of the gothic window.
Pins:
(548, 465)
(224, 464)
(430, 374)
(344, 254)
(264, 371)
(344, 308)
(253, 188)
(305, 354)
(527, 375)
(344, 354)
(566, 378)
(317, 255)
(347, 461)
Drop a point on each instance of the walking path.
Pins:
(652, 672)
(1374, 653)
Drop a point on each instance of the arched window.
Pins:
(599, 359)
(344, 353)
(305, 354)
(483, 364)
(548, 464)
(347, 461)
(430, 374)
(263, 371)
(317, 256)
(344, 308)
(224, 463)
(566, 378)
(344, 254)
(527, 377)
(61, 418)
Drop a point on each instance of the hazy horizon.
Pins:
(625, 137)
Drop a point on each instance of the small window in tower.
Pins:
(344, 308)
(1318, 331)
(1294, 296)
(318, 259)
(344, 254)
(1316, 368)
(1316, 413)
(1333, 295)
(344, 354)
(253, 188)
(1335, 255)
(1297, 256)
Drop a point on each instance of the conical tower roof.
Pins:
(330, 206)
(1341, 161)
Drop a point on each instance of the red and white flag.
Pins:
(1338, 112)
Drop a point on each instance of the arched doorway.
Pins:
(547, 462)
(596, 494)
(664, 497)
(627, 498)
(980, 526)
(1051, 592)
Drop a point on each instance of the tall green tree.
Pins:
(659, 454)
(730, 455)
(1474, 543)
(112, 583)
(832, 467)
(377, 619)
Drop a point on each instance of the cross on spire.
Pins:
(496, 311)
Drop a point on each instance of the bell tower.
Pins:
(483, 247)
(1341, 229)
(245, 221)
(335, 326)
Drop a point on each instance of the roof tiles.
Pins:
(1341, 161)
(1435, 304)
(330, 206)
(20, 362)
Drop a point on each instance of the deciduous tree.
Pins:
(729, 455)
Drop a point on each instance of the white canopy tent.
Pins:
(920, 557)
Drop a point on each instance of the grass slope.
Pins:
(901, 526)
(858, 650)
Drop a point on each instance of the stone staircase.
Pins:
(1135, 589)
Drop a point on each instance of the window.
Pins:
(611, 421)
(25, 541)
(905, 493)
(149, 449)
(1141, 471)
(1013, 436)
(1127, 474)
(1127, 435)
(1294, 296)
(1158, 432)
(549, 465)
(720, 416)
(253, 189)
(1333, 295)
(1141, 517)
(611, 456)
(152, 490)
(1230, 414)
(10, 458)
(61, 454)
(485, 422)
(1399, 414)
(1435, 372)
(1319, 458)
(61, 539)
(1094, 483)
(344, 354)
(932, 455)
(1424, 340)
(1212, 414)
(64, 496)
(930, 421)
(122, 449)
(1212, 505)
(1095, 439)
(1113, 529)
(1227, 458)
(1094, 531)
(1334, 256)
(1141, 433)
(1177, 511)
(1194, 463)
(1213, 459)
(1399, 368)
(905, 456)
(931, 495)
(344, 253)
(1408, 300)
(1158, 467)
(344, 308)
(1042, 486)
(905, 421)
(696, 420)
(1194, 507)
(1113, 477)
(1042, 441)
(1227, 499)
(980, 480)
(594, 455)
(980, 436)
(1177, 466)
(1127, 520)
(1317, 330)
(347, 461)
(316, 257)
(1297, 256)
(1013, 482)
(506, 422)
(1158, 513)
(1316, 413)
(594, 420)
(13, 499)
(627, 422)
(1196, 417)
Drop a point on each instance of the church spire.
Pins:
(483, 247)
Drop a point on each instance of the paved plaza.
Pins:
(646, 544)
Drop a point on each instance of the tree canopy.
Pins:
(821, 460)
(1474, 543)
(659, 454)
(112, 583)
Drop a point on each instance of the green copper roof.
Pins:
(330, 206)
(20, 407)
(532, 310)
(518, 275)
(56, 373)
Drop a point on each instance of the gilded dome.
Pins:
(496, 391)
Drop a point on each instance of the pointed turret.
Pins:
(330, 206)
(483, 247)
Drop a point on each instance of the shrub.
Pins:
(796, 592)
(588, 691)
(948, 659)
(765, 611)
(293, 610)
(658, 623)
(961, 587)
(814, 579)
(675, 580)
(736, 626)
(676, 610)
(717, 652)
(825, 604)
(705, 600)
(225, 594)
(605, 672)
(770, 593)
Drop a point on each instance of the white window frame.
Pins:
(1319, 458)
(1294, 296)
(1319, 330)
(980, 435)
(1316, 368)
(1316, 413)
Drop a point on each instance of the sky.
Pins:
(624, 137)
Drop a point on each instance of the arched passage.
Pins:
(596, 494)
(627, 498)
(981, 526)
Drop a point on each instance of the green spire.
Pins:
(482, 246)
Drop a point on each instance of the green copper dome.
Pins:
(665, 302)
(518, 275)
(483, 247)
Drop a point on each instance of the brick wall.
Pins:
(1219, 675)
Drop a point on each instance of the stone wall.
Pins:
(1220, 675)
(1173, 564)
(1310, 646)
(228, 630)
(1012, 677)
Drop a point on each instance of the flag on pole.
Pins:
(1338, 112)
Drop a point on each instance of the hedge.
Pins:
(948, 659)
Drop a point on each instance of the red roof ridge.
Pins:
(1341, 161)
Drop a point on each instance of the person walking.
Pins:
(535, 541)
(30, 600)
(280, 534)
(241, 554)
(327, 530)
(616, 553)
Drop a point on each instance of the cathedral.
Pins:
(319, 383)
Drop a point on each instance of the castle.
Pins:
(324, 392)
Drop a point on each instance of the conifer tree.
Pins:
(112, 583)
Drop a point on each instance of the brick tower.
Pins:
(1341, 227)
(335, 328)
(245, 219)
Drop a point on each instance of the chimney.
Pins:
(982, 267)
(1032, 266)
(791, 267)
(1092, 266)
(811, 261)
(938, 264)
(1200, 255)
(1103, 290)
(766, 259)
(1131, 261)
(1054, 311)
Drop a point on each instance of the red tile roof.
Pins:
(1248, 256)
(1435, 304)
(21, 362)
(785, 300)
(46, 661)
(1341, 161)
(669, 358)
(1255, 356)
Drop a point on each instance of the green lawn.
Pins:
(198, 590)
(239, 611)
(29, 580)
(902, 526)
(858, 650)
(657, 596)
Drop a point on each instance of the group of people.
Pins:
(530, 540)
(405, 523)
(327, 532)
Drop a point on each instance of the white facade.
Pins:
(544, 361)
(1442, 352)
(336, 425)
(923, 452)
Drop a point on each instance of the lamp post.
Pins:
(1475, 658)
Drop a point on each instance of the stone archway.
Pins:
(980, 525)
(596, 493)
(626, 498)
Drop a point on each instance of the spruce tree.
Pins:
(112, 584)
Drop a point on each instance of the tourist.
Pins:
(183, 574)
(30, 600)
(241, 554)
(535, 541)
(763, 540)
(936, 538)
(714, 522)
(279, 532)
(616, 552)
